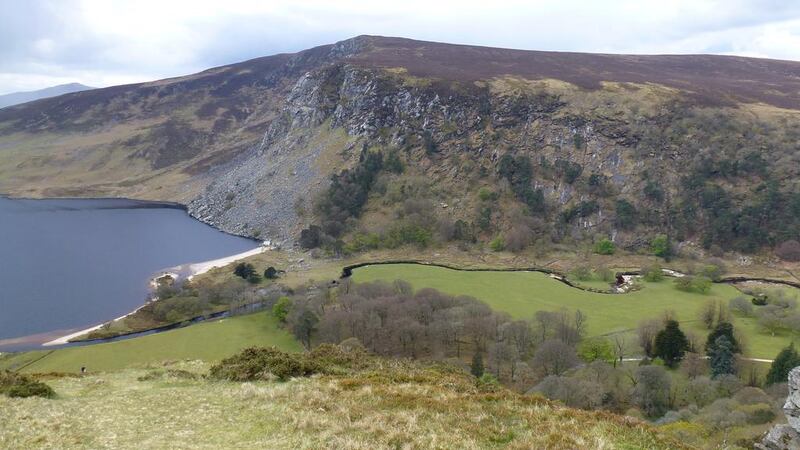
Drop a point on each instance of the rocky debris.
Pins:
(785, 437)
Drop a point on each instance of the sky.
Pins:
(107, 42)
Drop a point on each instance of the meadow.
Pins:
(209, 341)
(521, 294)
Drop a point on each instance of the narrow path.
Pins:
(34, 361)
(639, 358)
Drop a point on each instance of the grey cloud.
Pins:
(43, 40)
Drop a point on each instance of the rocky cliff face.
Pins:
(787, 437)
(688, 142)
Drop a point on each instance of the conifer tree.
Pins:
(722, 329)
(671, 344)
(722, 358)
(786, 360)
(477, 365)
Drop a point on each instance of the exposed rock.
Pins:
(783, 437)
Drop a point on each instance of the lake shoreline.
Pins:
(138, 203)
(187, 271)
(59, 336)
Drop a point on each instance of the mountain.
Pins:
(16, 98)
(468, 143)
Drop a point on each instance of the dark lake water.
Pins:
(70, 264)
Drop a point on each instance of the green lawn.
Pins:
(210, 341)
(522, 293)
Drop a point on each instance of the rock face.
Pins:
(782, 437)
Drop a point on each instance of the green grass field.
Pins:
(522, 293)
(210, 341)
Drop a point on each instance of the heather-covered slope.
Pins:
(571, 146)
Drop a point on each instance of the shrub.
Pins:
(582, 273)
(653, 273)
(311, 237)
(487, 382)
(595, 349)
(259, 363)
(661, 246)
(281, 308)
(485, 194)
(604, 247)
(789, 250)
(741, 305)
(407, 234)
(498, 244)
(254, 278)
(244, 270)
(605, 274)
(713, 270)
(17, 385)
(693, 284)
(271, 273)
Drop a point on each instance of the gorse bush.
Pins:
(653, 273)
(699, 284)
(498, 244)
(260, 363)
(604, 247)
(661, 246)
(17, 385)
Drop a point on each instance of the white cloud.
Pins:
(103, 42)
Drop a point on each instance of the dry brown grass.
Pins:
(399, 406)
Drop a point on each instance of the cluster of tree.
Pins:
(247, 271)
(681, 379)
(519, 173)
(344, 199)
(769, 217)
(390, 319)
(666, 341)
(773, 309)
(714, 393)
(718, 149)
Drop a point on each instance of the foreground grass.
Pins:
(522, 293)
(210, 341)
(395, 407)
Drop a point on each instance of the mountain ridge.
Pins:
(250, 146)
(15, 98)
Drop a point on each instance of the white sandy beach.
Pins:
(203, 267)
(190, 270)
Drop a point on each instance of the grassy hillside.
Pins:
(402, 406)
(523, 293)
(209, 341)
